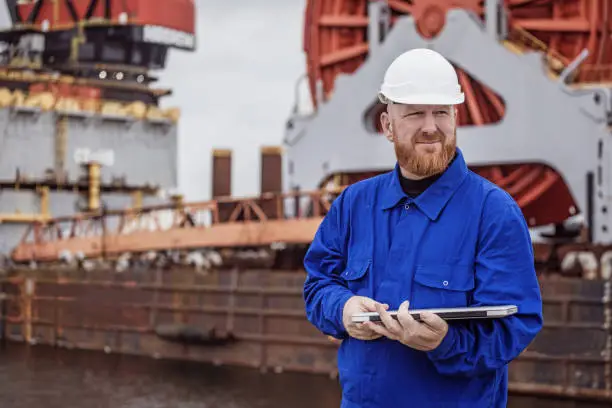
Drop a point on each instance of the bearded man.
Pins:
(428, 234)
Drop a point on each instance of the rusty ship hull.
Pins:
(254, 317)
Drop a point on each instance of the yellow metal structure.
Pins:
(43, 216)
(44, 201)
(23, 218)
(137, 199)
(47, 101)
(94, 186)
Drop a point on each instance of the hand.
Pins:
(425, 335)
(334, 340)
(359, 304)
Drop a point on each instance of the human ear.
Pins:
(387, 127)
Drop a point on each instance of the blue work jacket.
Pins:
(462, 242)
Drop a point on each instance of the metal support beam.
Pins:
(13, 9)
(107, 10)
(91, 9)
(72, 10)
(228, 235)
(23, 218)
(492, 10)
(44, 201)
(35, 11)
(573, 66)
(379, 23)
(94, 186)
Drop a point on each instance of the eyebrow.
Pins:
(412, 109)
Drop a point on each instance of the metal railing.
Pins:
(224, 221)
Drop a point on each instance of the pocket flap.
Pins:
(450, 277)
(356, 269)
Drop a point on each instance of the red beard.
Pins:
(425, 164)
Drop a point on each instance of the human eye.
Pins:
(413, 114)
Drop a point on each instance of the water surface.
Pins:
(42, 376)
(45, 377)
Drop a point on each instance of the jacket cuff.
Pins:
(448, 342)
(339, 303)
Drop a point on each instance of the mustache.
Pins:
(430, 137)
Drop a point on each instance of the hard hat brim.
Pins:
(423, 99)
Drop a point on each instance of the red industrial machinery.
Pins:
(336, 42)
(335, 39)
(52, 15)
(111, 43)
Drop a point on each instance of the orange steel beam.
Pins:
(577, 26)
(186, 226)
(237, 234)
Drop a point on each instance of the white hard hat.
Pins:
(421, 77)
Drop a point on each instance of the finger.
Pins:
(334, 340)
(382, 330)
(435, 322)
(406, 320)
(365, 335)
(359, 331)
(419, 338)
(390, 323)
(419, 346)
(370, 305)
(372, 336)
(364, 331)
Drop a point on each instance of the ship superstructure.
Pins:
(82, 126)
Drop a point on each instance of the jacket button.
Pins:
(407, 206)
(445, 283)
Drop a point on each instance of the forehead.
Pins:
(412, 108)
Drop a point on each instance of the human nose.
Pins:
(429, 125)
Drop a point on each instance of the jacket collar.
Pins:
(432, 200)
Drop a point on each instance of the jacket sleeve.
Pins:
(325, 292)
(504, 274)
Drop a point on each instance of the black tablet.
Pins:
(455, 313)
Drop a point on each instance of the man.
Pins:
(429, 234)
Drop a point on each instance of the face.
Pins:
(424, 137)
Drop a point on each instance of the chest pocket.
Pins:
(442, 285)
(358, 277)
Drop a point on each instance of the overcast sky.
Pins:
(237, 89)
